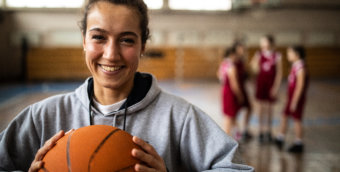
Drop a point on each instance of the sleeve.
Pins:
(205, 147)
(19, 142)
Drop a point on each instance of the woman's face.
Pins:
(240, 50)
(264, 43)
(291, 55)
(112, 44)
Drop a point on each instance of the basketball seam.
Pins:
(68, 152)
(99, 146)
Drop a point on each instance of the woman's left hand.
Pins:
(150, 158)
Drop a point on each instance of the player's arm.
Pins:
(300, 82)
(278, 78)
(254, 63)
(235, 86)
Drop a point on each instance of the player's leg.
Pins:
(279, 140)
(261, 115)
(229, 125)
(297, 146)
(269, 107)
(246, 134)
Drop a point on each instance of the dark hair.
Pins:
(229, 51)
(238, 44)
(270, 39)
(299, 50)
(138, 5)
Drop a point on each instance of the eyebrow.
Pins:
(121, 34)
(98, 30)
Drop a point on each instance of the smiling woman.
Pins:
(172, 134)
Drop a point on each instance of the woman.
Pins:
(172, 133)
(241, 66)
(268, 66)
(298, 81)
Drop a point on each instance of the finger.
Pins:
(148, 159)
(145, 146)
(143, 168)
(69, 131)
(48, 145)
(36, 165)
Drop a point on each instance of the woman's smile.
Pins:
(111, 69)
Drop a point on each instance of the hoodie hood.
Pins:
(144, 91)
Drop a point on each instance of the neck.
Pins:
(109, 96)
(296, 60)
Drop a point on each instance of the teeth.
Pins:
(110, 69)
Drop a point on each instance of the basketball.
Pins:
(92, 148)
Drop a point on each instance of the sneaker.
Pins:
(279, 143)
(246, 136)
(296, 148)
(261, 138)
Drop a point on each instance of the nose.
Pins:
(111, 51)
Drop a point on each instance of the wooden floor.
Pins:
(322, 121)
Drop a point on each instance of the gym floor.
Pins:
(321, 121)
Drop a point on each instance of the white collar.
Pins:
(108, 109)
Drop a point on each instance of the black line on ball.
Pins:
(99, 146)
(68, 152)
(125, 168)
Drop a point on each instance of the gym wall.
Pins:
(199, 38)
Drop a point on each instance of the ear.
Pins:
(84, 42)
(143, 49)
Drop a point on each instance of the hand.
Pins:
(37, 162)
(240, 100)
(151, 161)
(273, 93)
(292, 107)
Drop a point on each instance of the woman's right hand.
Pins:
(37, 162)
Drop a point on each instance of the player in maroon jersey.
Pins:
(234, 98)
(243, 75)
(298, 81)
(268, 66)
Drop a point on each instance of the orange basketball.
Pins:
(92, 148)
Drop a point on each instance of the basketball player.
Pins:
(172, 134)
(298, 82)
(267, 64)
(241, 53)
(232, 75)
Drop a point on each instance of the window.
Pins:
(220, 5)
(45, 3)
(154, 4)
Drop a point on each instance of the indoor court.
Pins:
(41, 55)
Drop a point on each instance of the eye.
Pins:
(127, 41)
(98, 37)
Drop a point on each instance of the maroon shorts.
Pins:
(263, 92)
(231, 106)
(298, 113)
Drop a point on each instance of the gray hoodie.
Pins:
(183, 135)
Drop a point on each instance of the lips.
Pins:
(111, 68)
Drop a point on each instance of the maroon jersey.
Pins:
(292, 81)
(266, 76)
(229, 100)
